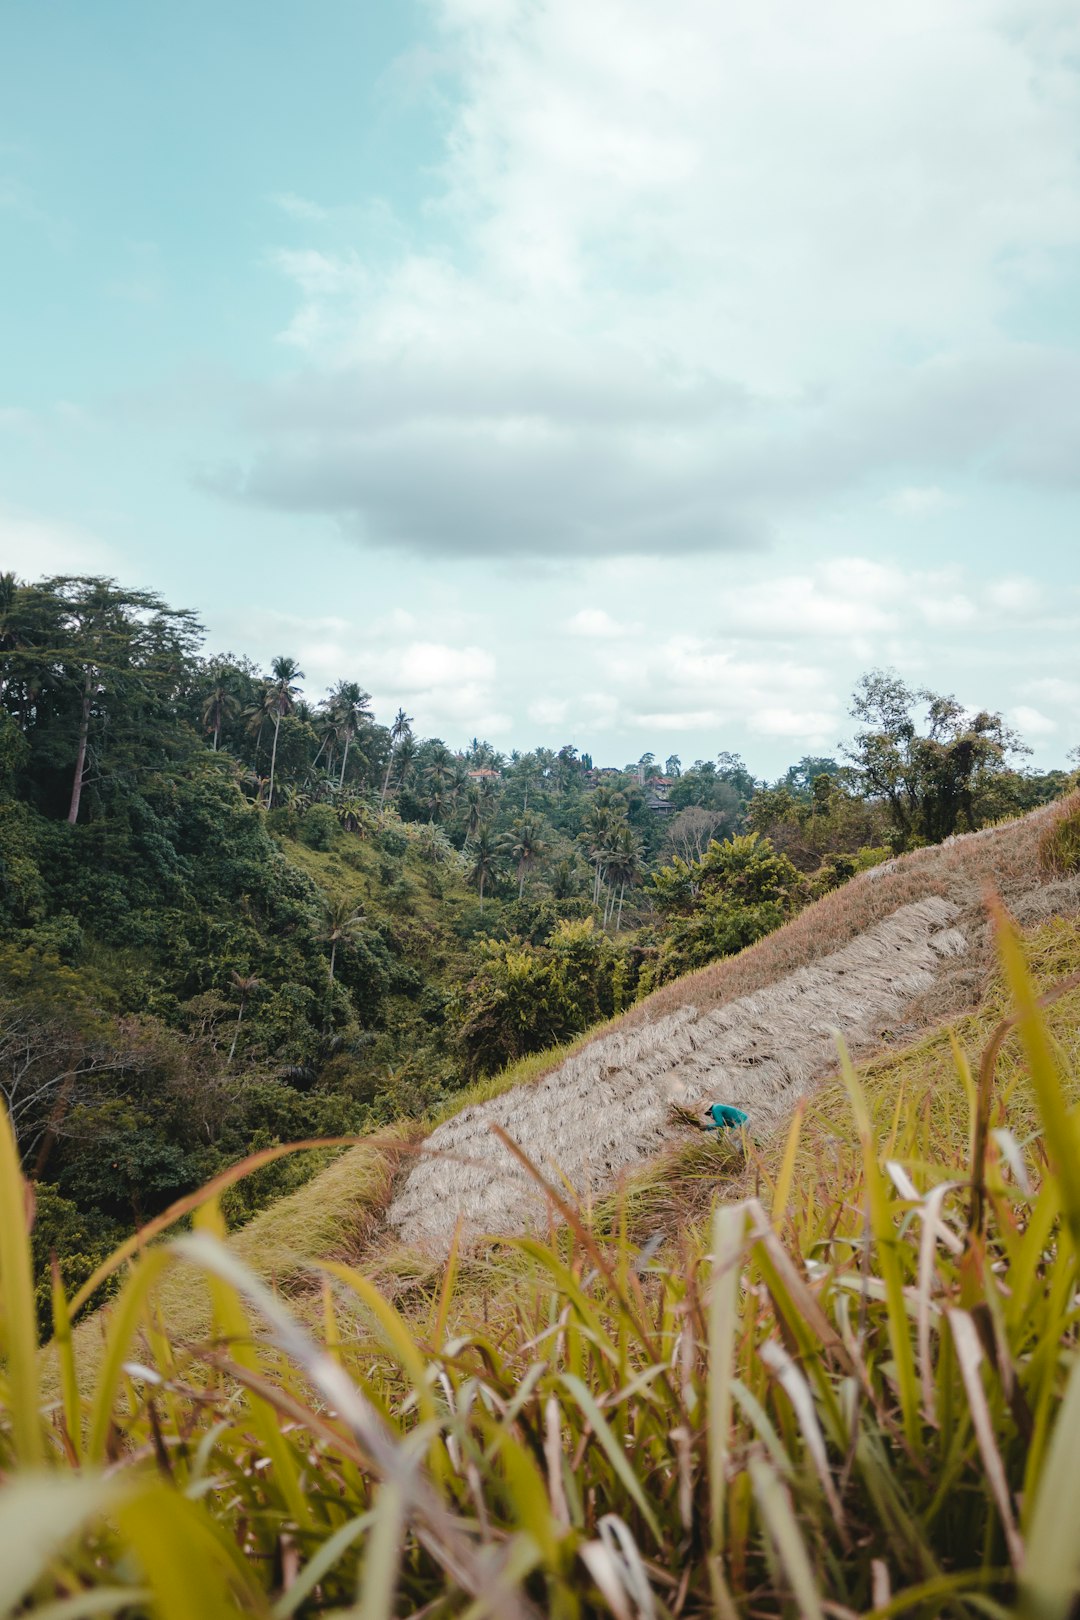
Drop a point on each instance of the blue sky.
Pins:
(627, 376)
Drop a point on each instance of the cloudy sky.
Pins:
(622, 373)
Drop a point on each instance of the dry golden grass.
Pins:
(896, 949)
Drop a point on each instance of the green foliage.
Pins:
(230, 915)
(854, 1392)
(952, 776)
(1059, 850)
(524, 998)
(735, 893)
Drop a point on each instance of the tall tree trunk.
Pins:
(80, 758)
(273, 761)
(482, 877)
(344, 761)
(217, 732)
(521, 879)
(622, 891)
(386, 778)
(333, 955)
(236, 1033)
(57, 1114)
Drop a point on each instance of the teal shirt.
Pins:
(726, 1118)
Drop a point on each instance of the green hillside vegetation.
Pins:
(230, 917)
(851, 1388)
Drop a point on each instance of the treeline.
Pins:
(230, 915)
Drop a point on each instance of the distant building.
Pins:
(485, 774)
(658, 794)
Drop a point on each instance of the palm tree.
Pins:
(246, 986)
(286, 675)
(529, 845)
(221, 705)
(399, 731)
(343, 923)
(440, 780)
(623, 866)
(474, 812)
(596, 836)
(349, 707)
(485, 860)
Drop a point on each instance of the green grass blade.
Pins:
(123, 1319)
(729, 1225)
(615, 1455)
(17, 1300)
(884, 1232)
(1059, 1132)
(1051, 1574)
(778, 1515)
(382, 1563)
(39, 1513)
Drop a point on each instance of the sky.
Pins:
(629, 375)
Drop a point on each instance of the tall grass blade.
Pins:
(1051, 1574)
(884, 1232)
(969, 1355)
(783, 1531)
(17, 1301)
(382, 1560)
(39, 1513)
(729, 1225)
(1058, 1130)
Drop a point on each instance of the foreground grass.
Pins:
(856, 1395)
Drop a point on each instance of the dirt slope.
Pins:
(877, 961)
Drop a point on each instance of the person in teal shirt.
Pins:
(725, 1118)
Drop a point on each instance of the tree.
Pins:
(485, 856)
(281, 692)
(220, 706)
(400, 730)
(343, 923)
(624, 858)
(528, 846)
(690, 833)
(928, 778)
(92, 668)
(245, 985)
(349, 708)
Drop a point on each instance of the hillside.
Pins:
(567, 1423)
(885, 960)
(897, 948)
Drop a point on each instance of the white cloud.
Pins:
(1019, 596)
(595, 622)
(1054, 690)
(681, 283)
(32, 547)
(1032, 722)
(804, 725)
(548, 711)
(917, 501)
(298, 207)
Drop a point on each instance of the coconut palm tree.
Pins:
(485, 853)
(286, 675)
(349, 707)
(439, 777)
(474, 814)
(221, 705)
(529, 844)
(596, 836)
(343, 923)
(623, 866)
(246, 985)
(400, 730)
